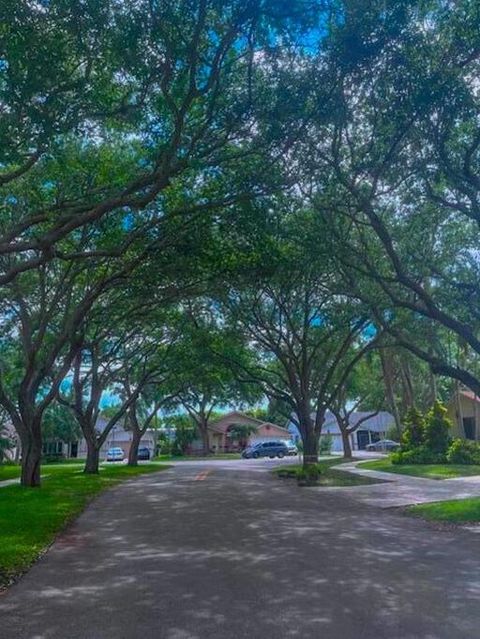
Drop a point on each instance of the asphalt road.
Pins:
(219, 551)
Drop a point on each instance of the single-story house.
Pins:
(464, 411)
(118, 437)
(371, 430)
(221, 431)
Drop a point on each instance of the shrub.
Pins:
(425, 439)
(53, 458)
(414, 432)
(437, 429)
(309, 474)
(9, 462)
(396, 458)
(463, 451)
(419, 455)
(6, 444)
(325, 445)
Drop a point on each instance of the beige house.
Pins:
(464, 411)
(118, 437)
(219, 433)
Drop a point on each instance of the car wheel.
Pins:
(281, 455)
(271, 456)
(255, 455)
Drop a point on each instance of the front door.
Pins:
(74, 449)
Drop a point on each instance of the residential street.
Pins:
(226, 551)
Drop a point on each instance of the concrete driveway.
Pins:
(215, 552)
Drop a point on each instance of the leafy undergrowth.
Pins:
(328, 475)
(30, 518)
(430, 471)
(455, 510)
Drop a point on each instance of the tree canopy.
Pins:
(210, 204)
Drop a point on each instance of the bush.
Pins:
(325, 445)
(425, 439)
(309, 474)
(419, 455)
(414, 433)
(437, 429)
(463, 451)
(53, 458)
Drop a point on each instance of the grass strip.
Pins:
(454, 510)
(328, 475)
(30, 518)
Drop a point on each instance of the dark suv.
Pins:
(267, 449)
(143, 453)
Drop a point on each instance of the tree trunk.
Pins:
(310, 447)
(407, 384)
(203, 427)
(433, 387)
(347, 446)
(133, 452)
(93, 458)
(388, 382)
(31, 458)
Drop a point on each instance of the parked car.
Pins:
(143, 453)
(383, 445)
(267, 449)
(115, 454)
(292, 448)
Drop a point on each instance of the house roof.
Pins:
(235, 413)
(228, 416)
(272, 425)
(470, 395)
(377, 423)
(118, 432)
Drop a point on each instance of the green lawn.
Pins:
(9, 471)
(456, 510)
(430, 471)
(328, 475)
(30, 518)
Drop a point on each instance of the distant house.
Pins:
(7, 431)
(118, 437)
(371, 430)
(464, 411)
(220, 433)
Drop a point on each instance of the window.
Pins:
(469, 427)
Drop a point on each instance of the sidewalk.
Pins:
(403, 490)
(9, 482)
(15, 480)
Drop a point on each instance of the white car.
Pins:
(383, 445)
(115, 454)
